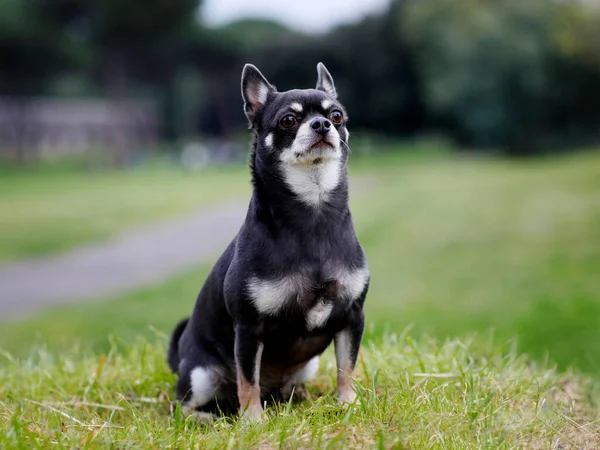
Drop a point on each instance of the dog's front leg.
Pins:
(248, 353)
(347, 344)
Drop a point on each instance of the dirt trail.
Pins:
(141, 256)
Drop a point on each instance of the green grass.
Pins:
(425, 395)
(473, 245)
(455, 246)
(45, 211)
(483, 251)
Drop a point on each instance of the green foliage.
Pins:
(372, 67)
(252, 34)
(32, 48)
(412, 394)
(519, 76)
(125, 37)
(505, 74)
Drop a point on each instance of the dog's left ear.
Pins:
(255, 90)
(325, 81)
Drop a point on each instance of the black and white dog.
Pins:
(295, 277)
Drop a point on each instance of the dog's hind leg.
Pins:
(197, 387)
(295, 385)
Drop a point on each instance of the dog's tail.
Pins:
(173, 352)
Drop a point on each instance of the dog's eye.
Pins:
(288, 121)
(336, 117)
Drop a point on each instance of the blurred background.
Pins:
(475, 170)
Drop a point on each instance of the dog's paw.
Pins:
(253, 414)
(346, 397)
(203, 418)
(297, 394)
(301, 394)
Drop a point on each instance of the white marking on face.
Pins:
(269, 140)
(326, 104)
(297, 107)
(312, 182)
(318, 315)
(202, 386)
(298, 153)
(269, 296)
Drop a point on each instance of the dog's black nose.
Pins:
(321, 125)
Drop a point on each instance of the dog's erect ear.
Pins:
(325, 81)
(255, 90)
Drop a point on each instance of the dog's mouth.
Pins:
(322, 144)
(317, 152)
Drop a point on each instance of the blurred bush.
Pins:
(518, 76)
(511, 75)
(521, 75)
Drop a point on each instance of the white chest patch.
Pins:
(270, 296)
(312, 184)
(318, 315)
(353, 281)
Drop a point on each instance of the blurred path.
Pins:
(142, 256)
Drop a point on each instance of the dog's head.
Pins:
(301, 127)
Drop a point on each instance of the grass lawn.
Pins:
(45, 211)
(451, 395)
(486, 252)
(454, 247)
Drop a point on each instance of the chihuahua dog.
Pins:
(294, 278)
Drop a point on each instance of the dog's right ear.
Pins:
(325, 81)
(255, 90)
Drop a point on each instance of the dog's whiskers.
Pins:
(347, 147)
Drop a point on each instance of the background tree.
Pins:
(517, 76)
(132, 45)
(494, 75)
(32, 50)
(372, 65)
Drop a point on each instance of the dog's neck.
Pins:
(313, 184)
(297, 193)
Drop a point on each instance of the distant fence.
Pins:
(35, 127)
